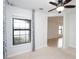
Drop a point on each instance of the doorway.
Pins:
(55, 31)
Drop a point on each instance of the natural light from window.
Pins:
(60, 43)
(60, 29)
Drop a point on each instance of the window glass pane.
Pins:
(60, 31)
(16, 40)
(27, 25)
(28, 38)
(16, 24)
(16, 32)
(60, 27)
(27, 32)
(21, 31)
(22, 24)
(24, 32)
(22, 38)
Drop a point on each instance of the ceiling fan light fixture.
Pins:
(60, 5)
(61, 8)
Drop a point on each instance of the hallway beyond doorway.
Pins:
(55, 42)
(55, 31)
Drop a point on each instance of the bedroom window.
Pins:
(21, 31)
(60, 30)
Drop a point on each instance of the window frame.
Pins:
(21, 29)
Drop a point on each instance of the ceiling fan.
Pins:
(61, 5)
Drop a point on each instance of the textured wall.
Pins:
(73, 30)
(70, 29)
(17, 13)
(40, 30)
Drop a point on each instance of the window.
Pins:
(60, 29)
(21, 31)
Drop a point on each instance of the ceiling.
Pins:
(35, 4)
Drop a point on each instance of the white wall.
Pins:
(66, 35)
(40, 30)
(70, 29)
(10, 13)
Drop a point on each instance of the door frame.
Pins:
(63, 41)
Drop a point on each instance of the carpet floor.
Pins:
(48, 53)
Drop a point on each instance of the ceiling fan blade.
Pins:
(51, 9)
(67, 1)
(59, 12)
(60, 1)
(53, 3)
(70, 6)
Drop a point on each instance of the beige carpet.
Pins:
(52, 42)
(48, 53)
